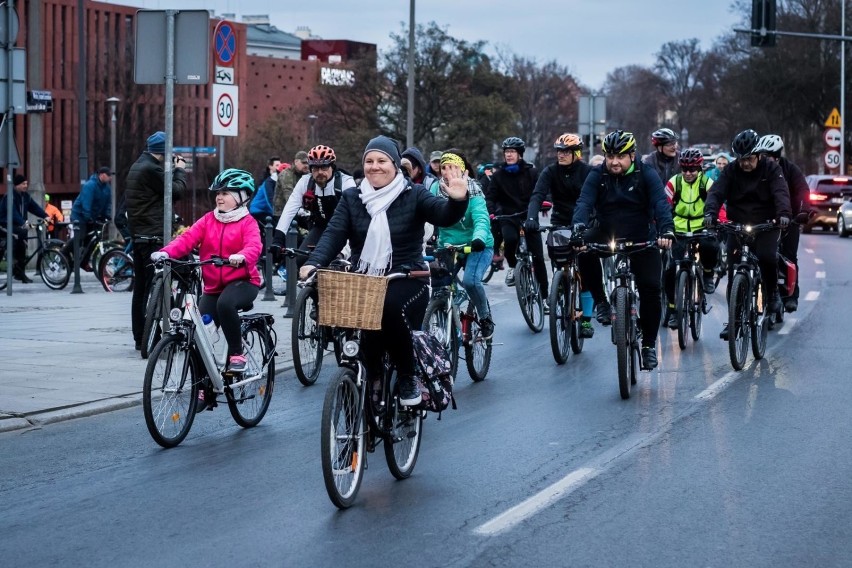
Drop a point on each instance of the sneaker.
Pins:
(510, 277)
(546, 308)
(709, 282)
(724, 333)
(775, 305)
(791, 305)
(486, 326)
(20, 275)
(602, 313)
(587, 331)
(671, 319)
(237, 363)
(649, 358)
(409, 392)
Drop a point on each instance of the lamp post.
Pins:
(684, 137)
(313, 120)
(113, 103)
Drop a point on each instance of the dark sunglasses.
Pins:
(691, 169)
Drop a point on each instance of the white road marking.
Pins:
(820, 274)
(810, 251)
(818, 261)
(789, 323)
(717, 387)
(811, 296)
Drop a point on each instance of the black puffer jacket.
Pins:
(414, 207)
(750, 197)
(562, 184)
(143, 195)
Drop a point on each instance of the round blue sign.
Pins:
(225, 43)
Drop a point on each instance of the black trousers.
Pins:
(535, 244)
(143, 269)
(708, 254)
(765, 248)
(224, 308)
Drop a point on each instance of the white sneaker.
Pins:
(510, 277)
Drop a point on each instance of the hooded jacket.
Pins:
(94, 201)
(415, 155)
(750, 197)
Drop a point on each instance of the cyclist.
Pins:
(629, 202)
(22, 203)
(687, 192)
(509, 192)
(383, 219)
(483, 176)
(91, 208)
(317, 193)
(230, 232)
(473, 228)
(664, 157)
(719, 163)
(770, 146)
(561, 183)
(753, 190)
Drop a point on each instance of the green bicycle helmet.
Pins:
(235, 180)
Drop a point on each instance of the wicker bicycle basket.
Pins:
(349, 299)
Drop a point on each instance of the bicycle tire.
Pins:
(738, 308)
(306, 339)
(435, 323)
(248, 403)
(477, 352)
(55, 269)
(405, 427)
(576, 319)
(622, 340)
(760, 316)
(168, 401)
(696, 313)
(560, 314)
(116, 271)
(683, 299)
(489, 272)
(152, 330)
(529, 296)
(342, 439)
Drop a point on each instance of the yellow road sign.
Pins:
(833, 120)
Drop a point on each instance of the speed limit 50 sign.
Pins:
(832, 159)
(225, 107)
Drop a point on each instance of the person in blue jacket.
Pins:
(94, 204)
(22, 204)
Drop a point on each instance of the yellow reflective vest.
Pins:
(688, 201)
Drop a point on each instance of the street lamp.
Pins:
(113, 103)
(313, 119)
(684, 137)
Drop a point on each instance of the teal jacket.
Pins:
(474, 225)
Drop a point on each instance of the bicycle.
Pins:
(357, 416)
(93, 247)
(526, 285)
(160, 302)
(116, 271)
(54, 268)
(451, 317)
(690, 300)
(624, 302)
(566, 311)
(185, 360)
(747, 318)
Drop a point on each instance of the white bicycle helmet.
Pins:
(771, 144)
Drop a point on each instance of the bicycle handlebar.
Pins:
(621, 246)
(745, 228)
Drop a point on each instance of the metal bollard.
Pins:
(268, 295)
(292, 269)
(78, 236)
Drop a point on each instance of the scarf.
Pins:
(232, 215)
(376, 254)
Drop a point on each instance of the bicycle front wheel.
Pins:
(152, 330)
(402, 445)
(683, 303)
(574, 317)
(529, 296)
(696, 312)
(342, 439)
(621, 336)
(306, 337)
(55, 269)
(169, 391)
(439, 323)
(560, 313)
(477, 351)
(759, 312)
(738, 321)
(116, 271)
(249, 402)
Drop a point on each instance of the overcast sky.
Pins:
(590, 37)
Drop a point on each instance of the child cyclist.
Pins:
(228, 232)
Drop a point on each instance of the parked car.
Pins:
(827, 194)
(844, 218)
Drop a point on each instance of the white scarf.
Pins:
(232, 215)
(377, 252)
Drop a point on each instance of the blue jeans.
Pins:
(475, 266)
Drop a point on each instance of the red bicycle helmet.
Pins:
(321, 156)
(691, 157)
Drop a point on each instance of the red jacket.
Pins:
(221, 239)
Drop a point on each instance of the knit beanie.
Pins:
(18, 180)
(386, 146)
(157, 143)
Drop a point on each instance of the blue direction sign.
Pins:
(199, 151)
(225, 43)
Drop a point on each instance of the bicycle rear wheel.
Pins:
(116, 271)
(248, 403)
(435, 323)
(402, 446)
(759, 318)
(152, 330)
(574, 316)
(560, 314)
(623, 347)
(738, 310)
(477, 351)
(683, 303)
(696, 312)
(55, 269)
(529, 296)
(342, 439)
(169, 391)
(306, 339)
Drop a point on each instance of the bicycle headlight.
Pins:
(748, 228)
(175, 314)
(350, 348)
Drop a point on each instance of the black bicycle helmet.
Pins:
(514, 143)
(619, 142)
(691, 157)
(745, 143)
(663, 136)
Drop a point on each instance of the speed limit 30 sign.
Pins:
(225, 107)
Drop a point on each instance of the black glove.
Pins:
(478, 245)
(668, 235)
(709, 223)
(531, 224)
(579, 229)
(784, 222)
(275, 252)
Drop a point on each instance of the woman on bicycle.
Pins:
(228, 232)
(473, 229)
(383, 219)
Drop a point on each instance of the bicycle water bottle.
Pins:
(210, 328)
(587, 303)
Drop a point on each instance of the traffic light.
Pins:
(763, 19)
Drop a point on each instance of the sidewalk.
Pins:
(70, 355)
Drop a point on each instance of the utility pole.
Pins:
(409, 126)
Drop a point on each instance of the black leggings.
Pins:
(511, 237)
(223, 307)
(405, 306)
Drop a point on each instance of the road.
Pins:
(541, 465)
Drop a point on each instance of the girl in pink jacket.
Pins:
(227, 232)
